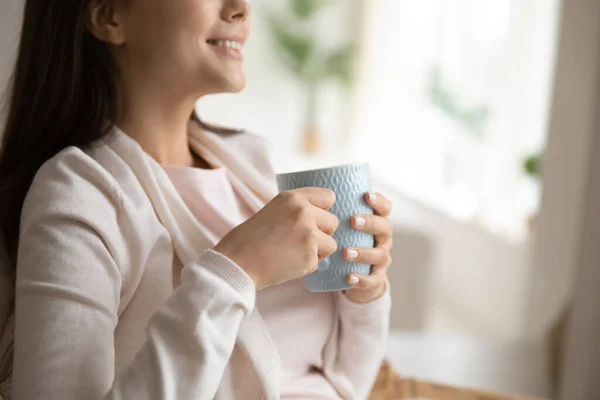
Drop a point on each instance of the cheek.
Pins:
(147, 37)
(189, 41)
(166, 31)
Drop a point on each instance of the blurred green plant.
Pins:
(532, 165)
(306, 8)
(297, 44)
(474, 119)
(296, 38)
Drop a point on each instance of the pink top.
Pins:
(300, 322)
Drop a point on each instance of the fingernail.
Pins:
(354, 280)
(372, 197)
(360, 221)
(352, 254)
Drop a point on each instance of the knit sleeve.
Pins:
(356, 351)
(72, 254)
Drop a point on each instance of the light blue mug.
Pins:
(350, 183)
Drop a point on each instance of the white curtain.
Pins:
(495, 56)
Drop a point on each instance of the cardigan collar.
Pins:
(189, 235)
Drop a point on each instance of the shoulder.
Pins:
(73, 190)
(72, 182)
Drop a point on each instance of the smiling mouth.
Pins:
(229, 44)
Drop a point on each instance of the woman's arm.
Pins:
(360, 347)
(70, 274)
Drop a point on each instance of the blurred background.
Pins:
(449, 101)
(478, 119)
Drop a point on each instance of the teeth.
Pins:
(230, 44)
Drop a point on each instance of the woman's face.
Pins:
(189, 45)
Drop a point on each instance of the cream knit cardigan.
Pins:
(100, 313)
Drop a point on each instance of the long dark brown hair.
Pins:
(62, 93)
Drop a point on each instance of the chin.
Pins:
(223, 82)
(234, 88)
(225, 86)
(235, 83)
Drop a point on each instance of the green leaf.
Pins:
(338, 64)
(474, 119)
(297, 44)
(297, 50)
(532, 165)
(439, 96)
(306, 9)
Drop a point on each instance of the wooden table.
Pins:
(390, 386)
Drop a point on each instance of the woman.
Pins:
(152, 257)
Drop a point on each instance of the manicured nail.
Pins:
(372, 197)
(354, 280)
(352, 254)
(360, 222)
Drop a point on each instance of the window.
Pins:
(453, 95)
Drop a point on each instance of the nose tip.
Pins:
(238, 10)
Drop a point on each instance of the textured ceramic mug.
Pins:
(350, 183)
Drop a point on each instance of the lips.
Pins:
(230, 44)
(227, 47)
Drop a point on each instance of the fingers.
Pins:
(326, 245)
(380, 260)
(377, 256)
(376, 280)
(374, 224)
(318, 197)
(326, 221)
(380, 204)
(384, 242)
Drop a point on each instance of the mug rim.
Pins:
(335, 167)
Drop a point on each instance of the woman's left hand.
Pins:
(369, 288)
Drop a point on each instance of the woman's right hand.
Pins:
(286, 239)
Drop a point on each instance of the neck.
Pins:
(159, 123)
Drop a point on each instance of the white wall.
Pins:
(566, 269)
(461, 278)
(566, 165)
